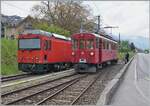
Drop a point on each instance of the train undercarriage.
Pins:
(91, 68)
(43, 68)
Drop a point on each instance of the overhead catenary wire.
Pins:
(102, 23)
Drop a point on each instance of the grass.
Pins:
(9, 64)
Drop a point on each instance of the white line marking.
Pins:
(136, 85)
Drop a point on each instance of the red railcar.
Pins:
(40, 51)
(90, 50)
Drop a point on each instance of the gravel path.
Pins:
(93, 93)
(69, 94)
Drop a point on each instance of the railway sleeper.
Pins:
(61, 101)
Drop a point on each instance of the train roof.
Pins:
(100, 36)
(60, 36)
(40, 32)
(103, 37)
(44, 33)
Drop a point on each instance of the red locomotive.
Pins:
(90, 51)
(40, 51)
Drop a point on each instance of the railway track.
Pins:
(68, 90)
(70, 94)
(63, 97)
(14, 77)
(82, 81)
(46, 86)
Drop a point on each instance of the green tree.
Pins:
(124, 46)
(65, 14)
(50, 28)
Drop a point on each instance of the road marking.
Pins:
(136, 85)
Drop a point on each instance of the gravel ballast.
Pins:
(90, 97)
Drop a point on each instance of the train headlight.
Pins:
(92, 53)
(73, 53)
(37, 59)
(82, 53)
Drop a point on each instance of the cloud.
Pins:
(21, 8)
(131, 16)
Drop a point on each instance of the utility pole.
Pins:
(119, 41)
(119, 38)
(81, 26)
(98, 27)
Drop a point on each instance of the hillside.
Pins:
(9, 57)
(139, 41)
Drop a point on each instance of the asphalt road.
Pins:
(135, 88)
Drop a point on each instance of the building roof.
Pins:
(11, 20)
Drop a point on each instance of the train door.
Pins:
(97, 50)
(101, 46)
(46, 47)
(74, 50)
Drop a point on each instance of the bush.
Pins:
(9, 57)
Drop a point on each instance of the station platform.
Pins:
(135, 87)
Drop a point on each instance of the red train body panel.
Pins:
(91, 49)
(43, 51)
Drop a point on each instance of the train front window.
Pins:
(90, 44)
(29, 43)
(81, 44)
(74, 44)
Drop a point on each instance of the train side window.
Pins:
(106, 44)
(103, 44)
(49, 44)
(100, 43)
(116, 47)
(97, 43)
(113, 46)
(110, 45)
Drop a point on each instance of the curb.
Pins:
(34, 81)
(112, 86)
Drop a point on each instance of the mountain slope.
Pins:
(139, 41)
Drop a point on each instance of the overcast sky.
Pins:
(132, 17)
